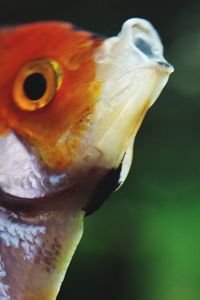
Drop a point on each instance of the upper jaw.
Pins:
(138, 44)
(145, 41)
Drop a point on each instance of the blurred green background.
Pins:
(144, 243)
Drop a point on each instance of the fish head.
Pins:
(72, 103)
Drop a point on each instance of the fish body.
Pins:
(71, 104)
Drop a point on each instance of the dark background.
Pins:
(144, 243)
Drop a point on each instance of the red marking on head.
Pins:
(69, 112)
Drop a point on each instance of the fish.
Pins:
(71, 104)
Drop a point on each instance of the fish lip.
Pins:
(161, 66)
(166, 66)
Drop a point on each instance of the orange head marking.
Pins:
(54, 114)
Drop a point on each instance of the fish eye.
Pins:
(36, 84)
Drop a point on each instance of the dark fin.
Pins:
(104, 189)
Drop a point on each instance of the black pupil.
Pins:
(35, 86)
